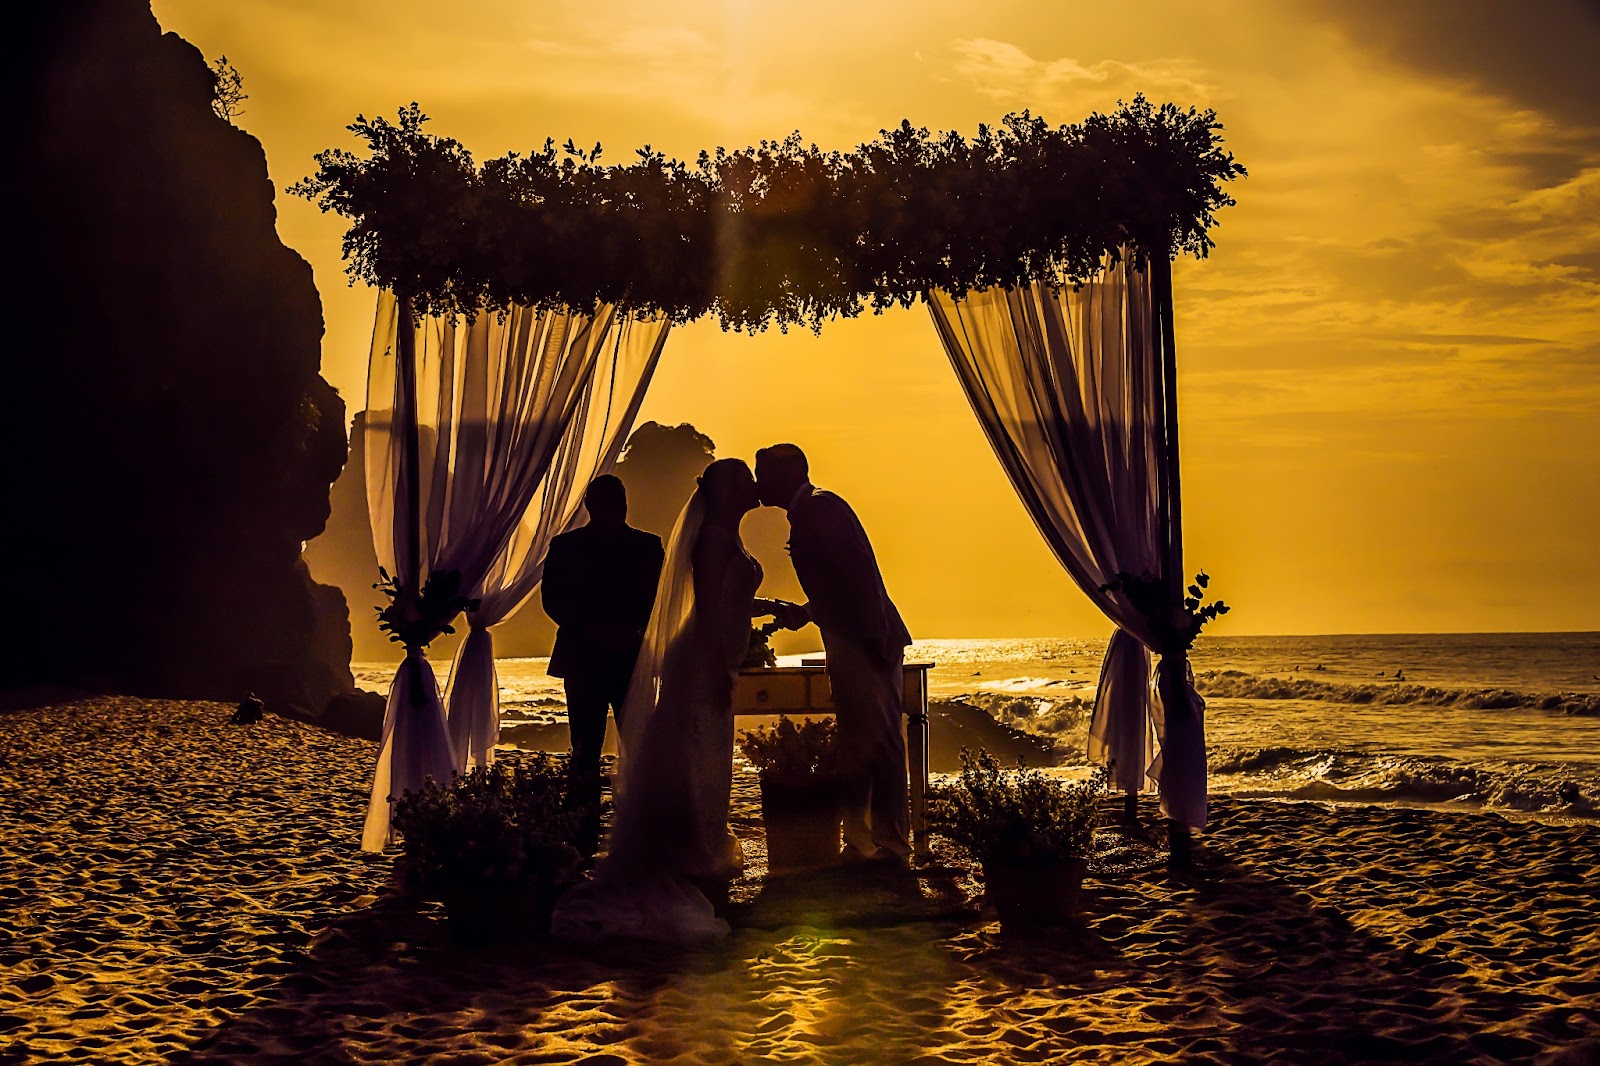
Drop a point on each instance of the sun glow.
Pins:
(1396, 327)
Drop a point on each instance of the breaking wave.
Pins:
(1237, 684)
(1053, 715)
(1360, 777)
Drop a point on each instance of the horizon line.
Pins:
(1339, 633)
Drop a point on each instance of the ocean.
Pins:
(1498, 721)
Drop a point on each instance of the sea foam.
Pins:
(1361, 777)
(1238, 684)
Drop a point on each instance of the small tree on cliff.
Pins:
(228, 95)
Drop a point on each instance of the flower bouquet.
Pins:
(759, 653)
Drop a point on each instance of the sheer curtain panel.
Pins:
(465, 421)
(1067, 385)
(594, 437)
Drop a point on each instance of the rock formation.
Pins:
(659, 468)
(169, 439)
(342, 555)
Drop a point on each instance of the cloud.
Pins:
(1540, 56)
(1407, 387)
(1470, 339)
(1584, 265)
(1004, 72)
(1411, 250)
(655, 47)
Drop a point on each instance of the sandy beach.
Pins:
(175, 888)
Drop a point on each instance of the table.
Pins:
(804, 690)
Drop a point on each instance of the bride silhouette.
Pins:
(671, 850)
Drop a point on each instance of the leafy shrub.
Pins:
(791, 754)
(824, 234)
(505, 831)
(227, 91)
(759, 653)
(1016, 817)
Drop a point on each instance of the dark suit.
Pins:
(839, 572)
(865, 640)
(599, 588)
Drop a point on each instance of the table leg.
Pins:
(917, 759)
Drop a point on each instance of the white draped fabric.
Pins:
(595, 436)
(1067, 386)
(504, 408)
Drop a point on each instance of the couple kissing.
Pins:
(671, 851)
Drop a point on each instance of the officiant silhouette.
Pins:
(599, 587)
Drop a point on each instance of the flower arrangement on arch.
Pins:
(821, 234)
(413, 619)
(1175, 625)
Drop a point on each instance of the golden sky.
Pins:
(1389, 367)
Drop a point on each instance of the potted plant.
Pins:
(799, 791)
(495, 846)
(1032, 834)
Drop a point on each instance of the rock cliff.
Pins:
(170, 438)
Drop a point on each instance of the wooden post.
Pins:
(1175, 661)
(1167, 496)
(915, 706)
(409, 570)
(405, 413)
(1161, 284)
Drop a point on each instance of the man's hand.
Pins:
(790, 615)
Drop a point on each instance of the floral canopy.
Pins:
(1043, 254)
(781, 232)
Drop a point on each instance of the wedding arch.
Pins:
(525, 302)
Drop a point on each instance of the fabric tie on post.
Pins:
(1121, 731)
(474, 701)
(415, 745)
(1181, 765)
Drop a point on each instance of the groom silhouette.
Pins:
(599, 588)
(865, 641)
